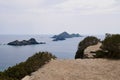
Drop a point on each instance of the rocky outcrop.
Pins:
(87, 69)
(64, 35)
(90, 51)
(59, 38)
(25, 42)
(88, 41)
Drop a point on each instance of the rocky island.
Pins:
(64, 35)
(25, 42)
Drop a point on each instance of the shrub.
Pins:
(22, 69)
(100, 54)
(111, 46)
(4, 77)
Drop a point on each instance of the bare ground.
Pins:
(80, 69)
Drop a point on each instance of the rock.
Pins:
(88, 41)
(75, 35)
(42, 43)
(54, 36)
(16, 42)
(64, 35)
(59, 38)
(25, 42)
(26, 78)
(70, 69)
(90, 51)
(32, 41)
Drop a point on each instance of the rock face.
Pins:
(88, 41)
(87, 69)
(25, 42)
(90, 51)
(64, 35)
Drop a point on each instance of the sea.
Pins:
(12, 55)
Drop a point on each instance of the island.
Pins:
(31, 41)
(64, 35)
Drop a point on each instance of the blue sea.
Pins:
(11, 55)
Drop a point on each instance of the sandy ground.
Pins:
(80, 69)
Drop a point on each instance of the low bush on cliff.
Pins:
(110, 47)
(22, 69)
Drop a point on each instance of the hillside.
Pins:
(80, 69)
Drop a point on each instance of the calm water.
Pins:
(10, 55)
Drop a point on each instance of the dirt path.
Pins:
(86, 69)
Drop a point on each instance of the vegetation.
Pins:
(110, 47)
(90, 40)
(22, 69)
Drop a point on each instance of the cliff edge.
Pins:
(79, 69)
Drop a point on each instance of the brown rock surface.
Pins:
(80, 69)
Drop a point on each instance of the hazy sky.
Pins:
(55, 16)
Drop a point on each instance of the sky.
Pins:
(56, 16)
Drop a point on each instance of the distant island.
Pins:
(25, 42)
(64, 35)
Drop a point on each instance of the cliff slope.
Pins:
(79, 69)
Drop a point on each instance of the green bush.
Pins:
(4, 77)
(110, 47)
(100, 54)
(22, 69)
